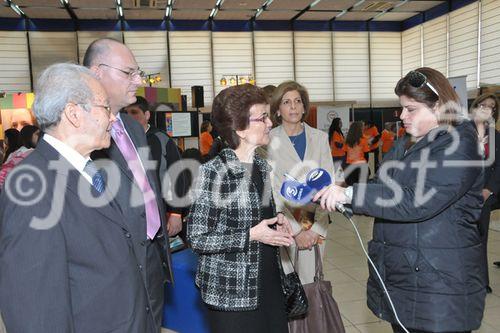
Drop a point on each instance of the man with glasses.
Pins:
(138, 195)
(67, 265)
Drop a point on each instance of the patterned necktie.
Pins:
(97, 179)
(130, 155)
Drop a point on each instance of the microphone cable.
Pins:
(348, 213)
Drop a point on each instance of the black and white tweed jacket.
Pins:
(226, 204)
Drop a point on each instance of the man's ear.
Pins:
(73, 114)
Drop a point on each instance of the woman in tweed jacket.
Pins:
(233, 225)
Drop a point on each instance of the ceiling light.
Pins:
(213, 12)
(314, 3)
(360, 2)
(120, 11)
(259, 11)
(119, 2)
(218, 3)
(400, 4)
(342, 13)
(17, 9)
(169, 3)
(168, 11)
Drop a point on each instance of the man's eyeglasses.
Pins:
(107, 108)
(262, 118)
(418, 80)
(130, 74)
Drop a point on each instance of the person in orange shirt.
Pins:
(206, 139)
(401, 132)
(356, 146)
(387, 138)
(336, 139)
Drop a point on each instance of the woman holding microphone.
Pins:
(426, 201)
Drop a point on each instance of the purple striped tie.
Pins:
(129, 153)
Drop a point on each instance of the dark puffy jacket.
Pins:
(428, 253)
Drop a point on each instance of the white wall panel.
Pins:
(191, 62)
(385, 66)
(273, 57)
(14, 62)
(87, 37)
(313, 63)
(48, 48)
(150, 51)
(411, 49)
(490, 42)
(463, 43)
(351, 66)
(232, 54)
(435, 44)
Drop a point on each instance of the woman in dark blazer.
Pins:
(426, 201)
(484, 112)
(233, 225)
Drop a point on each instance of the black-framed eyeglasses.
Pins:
(130, 74)
(262, 118)
(418, 80)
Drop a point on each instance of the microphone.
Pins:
(316, 179)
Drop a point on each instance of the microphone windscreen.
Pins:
(318, 178)
(296, 192)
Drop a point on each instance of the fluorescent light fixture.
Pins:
(168, 11)
(342, 13)
(120, 11)
(401, 3)
(214, 12)
(268, 2)
(314, 3)
(64, 2)
(259, 11)
(360, 2)
(379, 14)
(119, 2)
(17, 9)
(218, 3)
(169, 3)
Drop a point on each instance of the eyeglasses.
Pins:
(418, 80)
(262, 118)
(107, 108)
(484, 107)
(130, 74)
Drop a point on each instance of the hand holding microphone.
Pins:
(319, 189)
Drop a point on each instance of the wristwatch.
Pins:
(348, 193)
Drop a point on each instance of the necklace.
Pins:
(295, 137)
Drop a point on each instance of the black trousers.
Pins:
(484, 226)
(397, 329)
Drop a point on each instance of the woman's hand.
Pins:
(283, 224)
(264, 234)
(329, 196)
(306, 239)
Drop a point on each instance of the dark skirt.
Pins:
(270, 315)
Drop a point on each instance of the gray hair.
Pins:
(58, 85)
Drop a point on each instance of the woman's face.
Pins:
(417, 118)
(291, 107)
(484, 110)
(257, 132)
(20, 118)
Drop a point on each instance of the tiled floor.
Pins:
(346, 267)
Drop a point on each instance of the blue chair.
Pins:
(184, 310)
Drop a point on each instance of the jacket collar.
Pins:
(235, 167)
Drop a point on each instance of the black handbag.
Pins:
(296, 303)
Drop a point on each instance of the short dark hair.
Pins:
(141, 103)
(26, 135)
(204, 126)
(483, 97)
(96, 49)
(448, 100)
(231, 111)
(278, 94)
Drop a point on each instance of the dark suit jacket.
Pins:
(79, 275)
(155, 267)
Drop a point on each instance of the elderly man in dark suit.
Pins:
(139, 196)
(67, 260)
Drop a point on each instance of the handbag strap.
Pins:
(318, 264)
